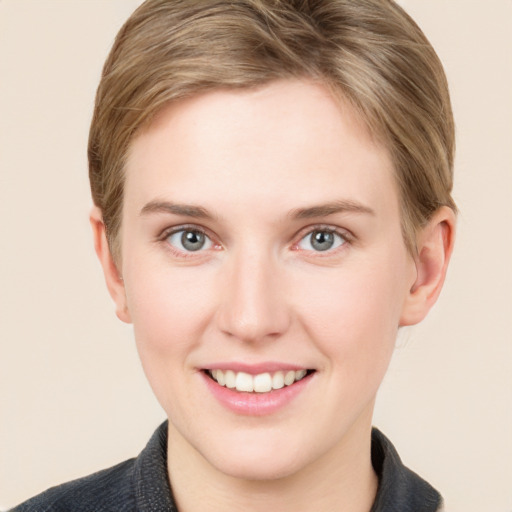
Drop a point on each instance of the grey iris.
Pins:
(192, 240)
(322, 240)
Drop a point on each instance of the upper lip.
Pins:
(255, 368)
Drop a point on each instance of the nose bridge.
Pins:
(254, 303)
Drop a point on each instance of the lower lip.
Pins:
(256, 404)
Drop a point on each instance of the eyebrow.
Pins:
(323, 210)
(197, 212)
(186, 210)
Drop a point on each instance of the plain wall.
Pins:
(73, 397)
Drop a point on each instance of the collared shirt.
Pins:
(142, 485)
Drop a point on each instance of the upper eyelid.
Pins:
(343, 232)
(166, 232)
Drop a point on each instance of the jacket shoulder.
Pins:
(108, 490)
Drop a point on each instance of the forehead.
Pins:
(287, 142)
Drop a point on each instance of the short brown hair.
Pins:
(369, 51)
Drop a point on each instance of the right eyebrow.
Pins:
(185, 210)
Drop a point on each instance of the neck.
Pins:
(342, 480)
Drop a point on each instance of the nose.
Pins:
(254, 304)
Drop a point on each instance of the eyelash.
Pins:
(345, 236)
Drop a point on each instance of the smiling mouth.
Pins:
(260, 383)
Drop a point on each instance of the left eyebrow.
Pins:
(331, 208)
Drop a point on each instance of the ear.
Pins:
(434, 249)
(113, 278)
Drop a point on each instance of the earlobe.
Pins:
(434, 249)
(113, 278)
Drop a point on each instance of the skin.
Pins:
(263, 164)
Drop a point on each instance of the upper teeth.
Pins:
(261, 383)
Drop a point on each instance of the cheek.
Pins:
(353, 315)
(169, 308)
(169, 311)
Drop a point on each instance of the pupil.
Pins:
(322, 240)
(192, 240)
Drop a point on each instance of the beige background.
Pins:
(73, 398)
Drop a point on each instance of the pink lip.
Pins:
(255, 404)
(254, 369)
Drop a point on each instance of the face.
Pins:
(265, 274)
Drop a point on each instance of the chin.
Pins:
(259, 469)
(259, 459)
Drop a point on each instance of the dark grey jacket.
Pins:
(141, 485)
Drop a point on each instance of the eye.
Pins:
(321, 240)
(189, 240)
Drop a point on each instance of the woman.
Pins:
(272, 203)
